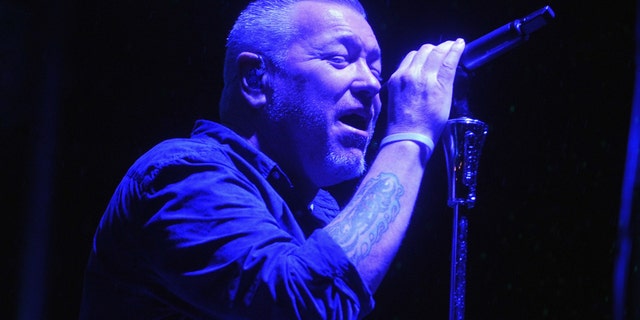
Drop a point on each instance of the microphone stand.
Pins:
(463, 139)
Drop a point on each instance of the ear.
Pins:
(252, 78)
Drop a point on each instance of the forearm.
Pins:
(372, 225)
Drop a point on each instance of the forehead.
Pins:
(324, 21)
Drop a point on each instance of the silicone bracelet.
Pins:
(416, 137)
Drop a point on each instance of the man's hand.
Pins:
(420, 90)
(371, 227)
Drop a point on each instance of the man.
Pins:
(233, 222)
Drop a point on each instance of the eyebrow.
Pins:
(351, 39)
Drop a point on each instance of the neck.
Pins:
(305, 189)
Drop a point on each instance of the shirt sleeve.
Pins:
(215, 247)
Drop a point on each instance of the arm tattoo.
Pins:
(368, 216)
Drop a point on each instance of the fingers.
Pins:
(442, 61)
(406, 62)
(453, 57)
(450, 62)
(435, 62)
(421, 56)
(420, 90)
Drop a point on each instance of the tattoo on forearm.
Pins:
(368, 216)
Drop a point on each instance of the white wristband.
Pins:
(416, 137)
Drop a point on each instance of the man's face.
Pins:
(325, 100)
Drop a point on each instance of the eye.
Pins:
(339, 61)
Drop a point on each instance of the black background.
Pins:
(87, 86)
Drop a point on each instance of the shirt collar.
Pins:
(268, 168)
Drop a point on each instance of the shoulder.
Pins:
(181, 160)
(178, 152)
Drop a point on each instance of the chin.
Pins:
(345, 167)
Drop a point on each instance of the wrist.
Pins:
(425, 142)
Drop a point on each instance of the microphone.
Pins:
(486, 48)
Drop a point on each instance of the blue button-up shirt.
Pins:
(210, 228)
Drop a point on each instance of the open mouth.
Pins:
(355, 121)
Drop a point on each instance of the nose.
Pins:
(366, 83)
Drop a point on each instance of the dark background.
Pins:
(87, 86)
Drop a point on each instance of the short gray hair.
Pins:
(264, 27)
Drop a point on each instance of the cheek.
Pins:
(311, 99)
(327, 85)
